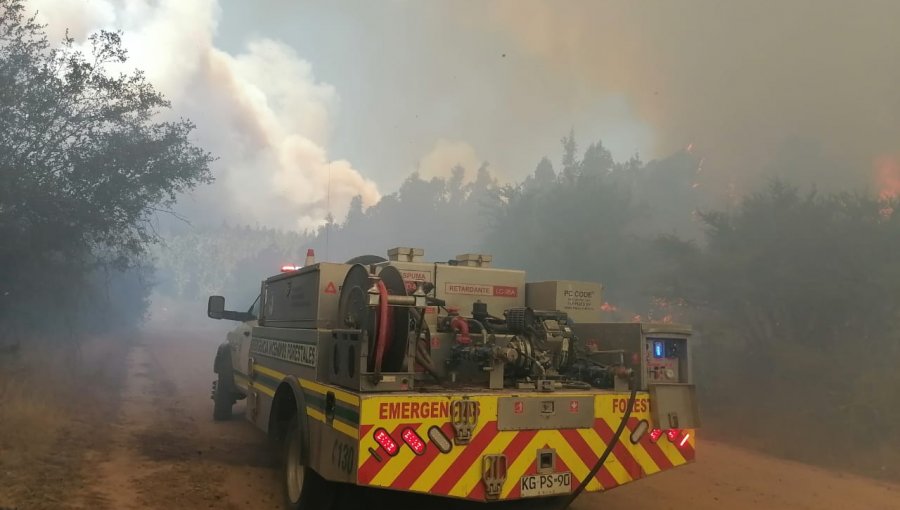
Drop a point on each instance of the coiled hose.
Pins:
(609, 448)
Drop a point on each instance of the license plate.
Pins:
(545, 485)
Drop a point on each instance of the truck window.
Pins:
(254, 308)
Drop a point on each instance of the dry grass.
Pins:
(55, 401)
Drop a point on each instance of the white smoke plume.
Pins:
(261, 112)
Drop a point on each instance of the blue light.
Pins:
(659, 350)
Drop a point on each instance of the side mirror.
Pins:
(215, 309)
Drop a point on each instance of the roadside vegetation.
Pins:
(86, 162)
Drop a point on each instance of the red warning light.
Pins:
(655, 434)
(413, 440)
(287, 269)
(673, 434)
(382, 437)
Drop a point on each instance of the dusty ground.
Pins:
(164, 451)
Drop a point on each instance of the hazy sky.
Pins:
(309, 103)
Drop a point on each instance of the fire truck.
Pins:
(454, 379)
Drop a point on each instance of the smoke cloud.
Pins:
(739, 80)
(448, 154)
(807, 89)
(261, 111)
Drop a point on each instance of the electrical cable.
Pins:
(609, 448)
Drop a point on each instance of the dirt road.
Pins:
(166, 452)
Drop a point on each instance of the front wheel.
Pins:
(223, 398)
(304, 489)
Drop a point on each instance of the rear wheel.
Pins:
(304, 489)
(223, 398)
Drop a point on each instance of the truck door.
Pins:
(239, 339)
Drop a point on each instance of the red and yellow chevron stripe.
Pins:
(457, 473)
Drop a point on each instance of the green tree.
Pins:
(85, 164)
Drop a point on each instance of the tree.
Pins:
(356, 212)
(544, 175)
(597, 160)
(577, 227)
(456, 192)
(804, 290)
(570, 161)
(84, 163)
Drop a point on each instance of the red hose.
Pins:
(383, 338)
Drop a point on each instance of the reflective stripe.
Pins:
(458, 472)
(262, 388)
(341, 395)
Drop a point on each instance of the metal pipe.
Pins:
(401, 300)
(459, 323)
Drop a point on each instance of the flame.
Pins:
(669, 309)
(887, 177)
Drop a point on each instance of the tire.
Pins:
(223, 399)
(304, 489)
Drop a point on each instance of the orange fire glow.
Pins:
(887, 177)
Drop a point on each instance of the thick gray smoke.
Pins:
(741, 81)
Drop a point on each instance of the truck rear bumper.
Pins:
(429, 459)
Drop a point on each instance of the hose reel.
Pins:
(365, 304)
